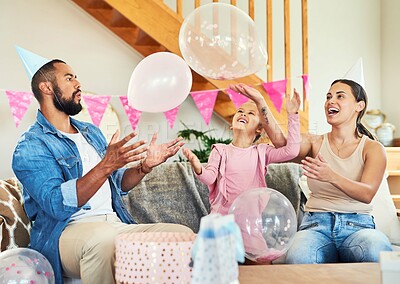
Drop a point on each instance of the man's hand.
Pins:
(159, 153)
(119, 154)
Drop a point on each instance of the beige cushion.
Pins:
(385, 214)
(14, 223)
(384, 211)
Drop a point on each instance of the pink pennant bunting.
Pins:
(133, 114)
(19, 103)
(306, 85)
(205, 101)
(171, 116)
(96, 106)
(236, 98)
(276, 91)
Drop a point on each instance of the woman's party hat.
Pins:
(356, 73)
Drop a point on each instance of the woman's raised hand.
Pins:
(293, 102)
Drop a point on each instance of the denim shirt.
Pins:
(48, 164)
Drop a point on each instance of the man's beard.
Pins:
(68, 106)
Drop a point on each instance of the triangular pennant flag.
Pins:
(205, 101)
(96, 106)
(32, 62)
(133, 114)
(306, 84)
(19, 103)
(236, 98)
(276, 91)
(171, 116)
(356, 73)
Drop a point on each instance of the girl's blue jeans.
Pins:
(329, 237)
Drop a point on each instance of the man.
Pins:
(73, 180)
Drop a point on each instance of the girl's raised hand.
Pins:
(247, 91)
(192, 158)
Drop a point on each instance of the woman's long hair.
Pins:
(360, 95)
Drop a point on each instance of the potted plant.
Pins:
(204, 142)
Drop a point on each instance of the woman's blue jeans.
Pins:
(328, 237)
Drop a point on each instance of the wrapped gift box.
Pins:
(153, 257)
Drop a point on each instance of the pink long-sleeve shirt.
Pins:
(232, 170)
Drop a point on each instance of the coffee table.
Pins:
(363, 273)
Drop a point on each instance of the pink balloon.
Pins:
(160, 82)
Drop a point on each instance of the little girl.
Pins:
(242, 165)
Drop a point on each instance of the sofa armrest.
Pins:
(15, 226)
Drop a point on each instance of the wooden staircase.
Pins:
(150, 26)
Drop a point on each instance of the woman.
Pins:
(344, 169)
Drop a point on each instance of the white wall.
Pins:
(339, 33)
(103, 62)
(390, 55)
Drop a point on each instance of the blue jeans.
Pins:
(328, 237)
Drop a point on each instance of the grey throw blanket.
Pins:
(285, 179)
(172, 194)
(169, 194)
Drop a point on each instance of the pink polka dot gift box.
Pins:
(153, 257)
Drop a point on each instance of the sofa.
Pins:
(172, 194)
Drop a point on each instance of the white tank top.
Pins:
(326, 197)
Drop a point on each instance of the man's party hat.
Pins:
(32, 62)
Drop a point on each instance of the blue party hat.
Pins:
(32, 62)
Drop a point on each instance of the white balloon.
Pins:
(160, 82)
(267, 221)
(220, 41)
(24, 265)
